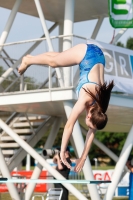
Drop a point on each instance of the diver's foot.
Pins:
(25, 64)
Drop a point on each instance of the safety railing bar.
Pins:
(18, 82)
(52, 73)
(40, 87)
(38, 90)
(41, 39)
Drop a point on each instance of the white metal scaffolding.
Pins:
(64, 79)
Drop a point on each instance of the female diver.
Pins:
(93, 93)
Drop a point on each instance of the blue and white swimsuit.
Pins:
(93, 56)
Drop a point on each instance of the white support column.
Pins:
(79, 144)
(41, 160)
(117, 37)
(44, 26)
(97, 27)
(73, 145)
(9, 23)
(28, 162)
(5, 172)
(39, 167)
(67, 41)
(120, 166)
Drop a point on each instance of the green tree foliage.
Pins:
(1, 70)
(129, 44)
(113, 141)
(31, 83)
(120, 44)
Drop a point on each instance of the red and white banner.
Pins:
(108, 174)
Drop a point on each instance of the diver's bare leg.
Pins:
(66, 58)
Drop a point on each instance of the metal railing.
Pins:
(36, 77)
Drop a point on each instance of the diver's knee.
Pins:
(53, 64)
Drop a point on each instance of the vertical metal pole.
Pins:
(9, 23)
(22, 82)
(61, 25)
(120, 165)
(39, 167)
(43, 22)
(28, 162)
(5, 172)
(67, 41)
(79, 144)
(50, 77)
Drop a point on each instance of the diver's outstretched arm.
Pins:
(89, 139)
(76, 111)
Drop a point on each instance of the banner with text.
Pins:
(121, 13)
(119, 66)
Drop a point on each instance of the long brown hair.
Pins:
(102, 97)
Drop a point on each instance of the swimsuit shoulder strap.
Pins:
(94, 100)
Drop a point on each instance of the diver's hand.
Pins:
(79, 164)
(63, 159)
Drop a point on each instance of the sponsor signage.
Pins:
(121, 13)
(119, 66)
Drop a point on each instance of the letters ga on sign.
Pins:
(121, 13)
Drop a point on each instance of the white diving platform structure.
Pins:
(34, 108)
